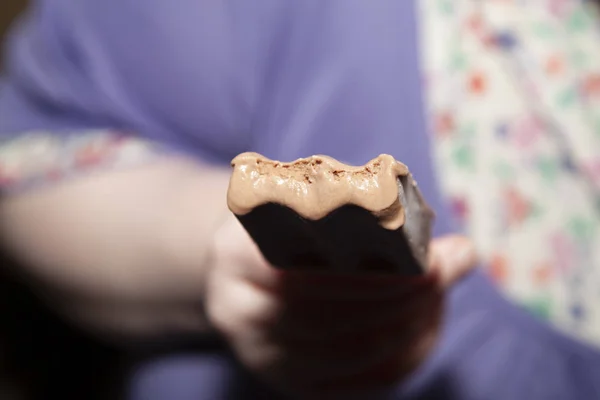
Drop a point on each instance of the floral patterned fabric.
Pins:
(33, 159)
(513, 89)
(514, 99)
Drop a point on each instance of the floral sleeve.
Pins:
(37, 158)
(513, 90)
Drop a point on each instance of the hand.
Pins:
(320, 334)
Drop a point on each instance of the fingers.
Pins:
(349, 359)
(315, 319)
(329, 330)
(236, 306)
(345, 340)
(451, 257)
(369, 359)
(237, 255)
(320, 286)
(393, 359)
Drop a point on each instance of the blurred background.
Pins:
(9, 9)
(41, 357)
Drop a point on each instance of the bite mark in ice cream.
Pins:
(318, 213)
(315, 186)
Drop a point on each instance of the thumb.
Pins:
(451, 257)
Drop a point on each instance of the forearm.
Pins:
(131, 244)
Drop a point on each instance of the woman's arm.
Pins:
(122, 252)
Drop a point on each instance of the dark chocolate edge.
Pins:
(289, 241)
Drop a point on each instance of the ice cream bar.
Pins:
(318, 213)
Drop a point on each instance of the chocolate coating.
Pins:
(349, 237)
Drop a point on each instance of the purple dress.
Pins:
(286, 79)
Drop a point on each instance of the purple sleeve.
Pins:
(492, 350)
